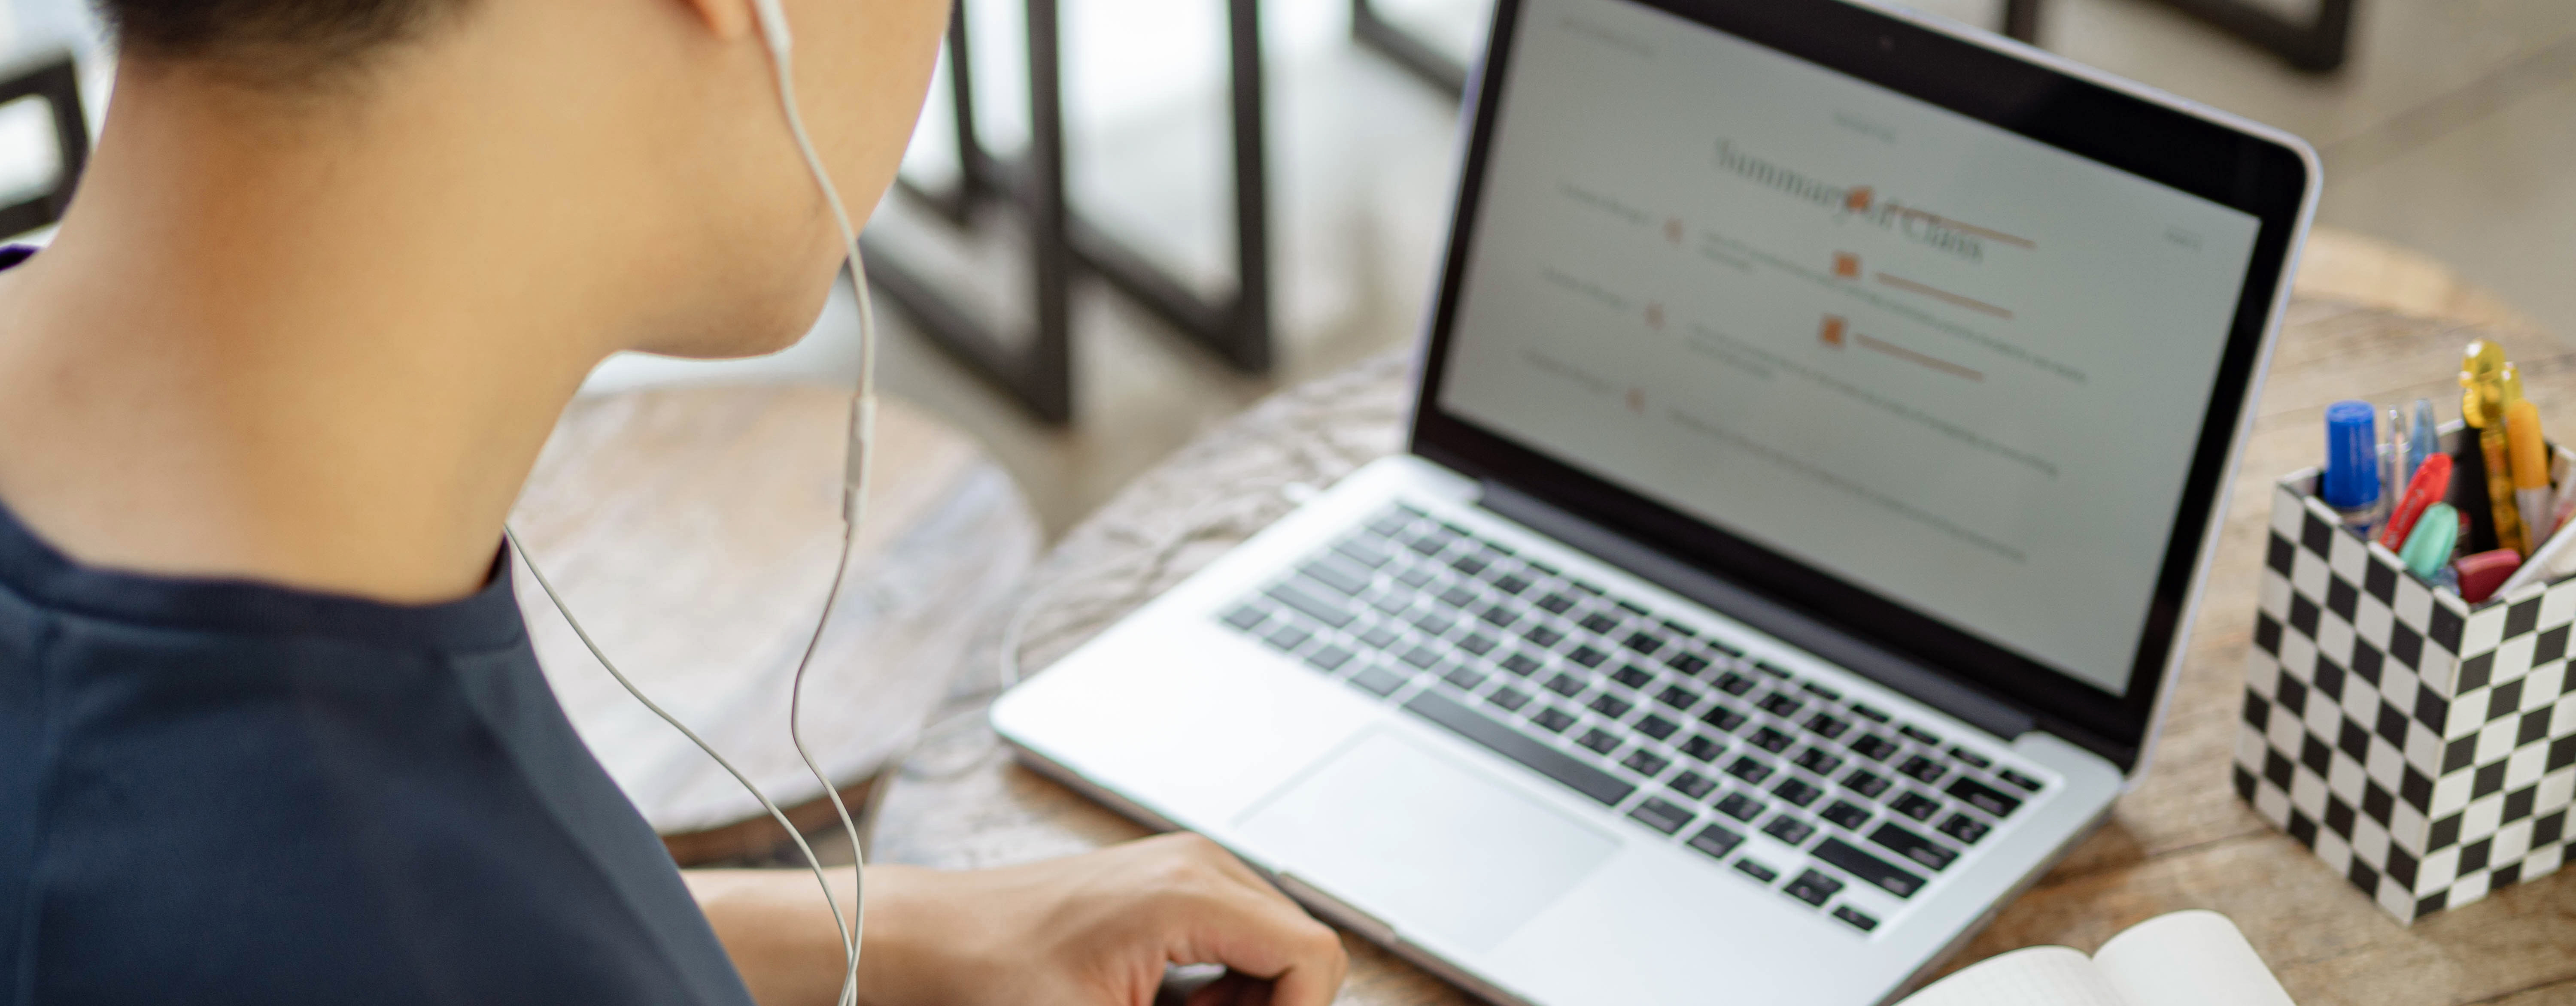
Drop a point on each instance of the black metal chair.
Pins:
(1039, 373)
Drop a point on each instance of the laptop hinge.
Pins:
(1912, 679)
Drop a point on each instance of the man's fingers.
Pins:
(1260, 933)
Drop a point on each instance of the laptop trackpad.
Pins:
(1432, 846)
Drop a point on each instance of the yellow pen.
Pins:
(2484, 377)
(2530, 457)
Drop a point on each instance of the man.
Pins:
(270, 730)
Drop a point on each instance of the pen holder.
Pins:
(2422, 746)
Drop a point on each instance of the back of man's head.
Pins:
(272, 42)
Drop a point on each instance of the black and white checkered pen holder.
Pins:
(2423, 747)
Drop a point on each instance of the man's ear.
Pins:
(728, 20)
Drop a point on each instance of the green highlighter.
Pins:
(2430, 545)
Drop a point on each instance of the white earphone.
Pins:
(781, 43)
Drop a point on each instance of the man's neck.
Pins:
(263, 366)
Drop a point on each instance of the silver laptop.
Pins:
(1822, 428)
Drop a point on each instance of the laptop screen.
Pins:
(1955, 367)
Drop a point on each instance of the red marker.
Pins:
(2482, 573)
(2432, 481)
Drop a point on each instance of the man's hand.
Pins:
(1089, 930)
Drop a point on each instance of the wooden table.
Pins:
(2181, 840)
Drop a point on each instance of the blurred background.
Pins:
(2449, 129)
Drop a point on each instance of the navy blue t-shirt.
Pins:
(228, 792)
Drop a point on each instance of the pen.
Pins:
(2350, 485)
(2427, 440)
(2432, 481)
(2530, 471)
(2394, 468)
(2484, 376)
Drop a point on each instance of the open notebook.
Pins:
(2194, 958)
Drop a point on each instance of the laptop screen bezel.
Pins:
(2235, 168)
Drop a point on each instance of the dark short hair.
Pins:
(270, 41)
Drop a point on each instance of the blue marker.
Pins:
(2351, 482)
(2426, 442)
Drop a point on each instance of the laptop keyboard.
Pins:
(1678, 729)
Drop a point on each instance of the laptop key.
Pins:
(1973, 759)
(1611, 706)
(1511, 699)
(1289, 637)
(1749, 769)
(1661, 816)
(1686, 662)
(1313, 606)
(1392, 602)
(1772, 669)
(1512, 585)
(1379, 637)
(1433, 623)
(1716, 840)
(1657, 727)
(1865, 783)
(1503, 740)
(1541, 636)
(1875, 747)
(1632, 676)
(1756, 869)
(1694, 786)
(1556, 604)
(2020, 780)
(1245, 617)
(1337, 576)
(1813, 688)
(1964, 828)
(1827, 725)
(1520, 664)
(1678, 697)
(1587, 656)
(1984, 797)
(1856, 918)
(1565, 684)
(1868, 712)
(1499, 615)
(1477, 643)
(1797, 791)
(1740, 807)
(1790, 829)
(1780, 704)
(1915, 805)
(1599, 622)
(1722, 718)
(1920, 735)
(1330, 658)
(1645, 763)
(1599, 740)
(1770, 740)
(1870, 869)
(1814, 888)
(1422, 657)
(1846, 815)
(1553, 720)
(1414, 577)
(1469, 564)
(1818, 761)
(1643, 642)
(1904, 842)
(1466, 678)
(1921, 769)
(1734, 684)
(1457, 597)
(1702, 748)
(1363, 553)
(1377, 680)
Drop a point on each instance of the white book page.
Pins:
(2034, 976)
(2194, 958)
